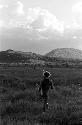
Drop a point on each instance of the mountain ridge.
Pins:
(17, 56)
(68, 53)
(60, 53)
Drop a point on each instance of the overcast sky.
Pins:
(40, 25)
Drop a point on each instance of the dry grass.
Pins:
(20, 104)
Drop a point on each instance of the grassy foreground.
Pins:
(21, 105)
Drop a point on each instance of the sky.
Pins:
(40, 25)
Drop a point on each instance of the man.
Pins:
(45, 85)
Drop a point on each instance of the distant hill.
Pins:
(17, 56)
(55, 57)
(66, 53)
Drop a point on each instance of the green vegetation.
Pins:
(20, 103)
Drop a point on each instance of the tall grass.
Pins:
(27, 108)
(20, 103)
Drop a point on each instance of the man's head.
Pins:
(46, 74)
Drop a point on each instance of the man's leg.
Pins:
(47, 105)
(45, 102)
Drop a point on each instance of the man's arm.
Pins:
(40, 87)
(51, 84)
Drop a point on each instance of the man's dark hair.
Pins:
(46, 74)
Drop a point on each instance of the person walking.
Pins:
(45, 85)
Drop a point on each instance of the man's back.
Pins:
(45, 85)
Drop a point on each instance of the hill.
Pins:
(56, 58)
(66, 53)
(17, 56)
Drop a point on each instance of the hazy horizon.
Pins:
(36, 52)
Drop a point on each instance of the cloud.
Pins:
(36, 18)
(39, 23)
(3, 6)
(75, 24)
(12, 15)
(77, 14)
(41, 19)
(16, 8)
(1, 23)
(20, 8)
(77, 8)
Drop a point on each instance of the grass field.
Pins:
(21, 105)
